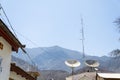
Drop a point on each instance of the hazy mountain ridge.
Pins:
(52, 58)
(23, 64)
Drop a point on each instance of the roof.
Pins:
(83, 76)
(21, 72)
(10, 38)
(34, 74)
(109, 75)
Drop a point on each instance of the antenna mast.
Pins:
(83, 37)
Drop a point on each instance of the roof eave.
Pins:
(9, 36)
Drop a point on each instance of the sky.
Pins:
(46, 23)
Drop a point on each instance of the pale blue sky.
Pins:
(57, 22)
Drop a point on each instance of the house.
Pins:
(108, 76)
(9, 43)
(16, 73)
(94, 76)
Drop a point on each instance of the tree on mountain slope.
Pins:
(116, 53)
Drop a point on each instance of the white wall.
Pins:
(6, 56)
(14, 76)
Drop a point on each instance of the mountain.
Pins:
(53, 58)
(48, 58)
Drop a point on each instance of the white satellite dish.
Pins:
(92, 63)
(72, 63)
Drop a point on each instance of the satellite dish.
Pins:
(72, 63)
(92, 63)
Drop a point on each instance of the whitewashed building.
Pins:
(16, 73)
(8, 43)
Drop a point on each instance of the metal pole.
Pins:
(82, 37)
(72, 73)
